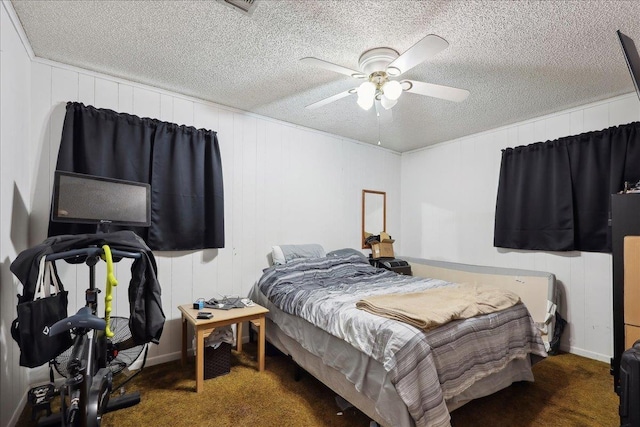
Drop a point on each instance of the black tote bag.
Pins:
(35, 318)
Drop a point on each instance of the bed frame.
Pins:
(536, 289)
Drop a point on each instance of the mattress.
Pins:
(360, 378)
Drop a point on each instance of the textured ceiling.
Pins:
(519, 59)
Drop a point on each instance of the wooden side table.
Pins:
(203, 327)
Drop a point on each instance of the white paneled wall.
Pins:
(448, 206)
(283, 184)
(15, 69)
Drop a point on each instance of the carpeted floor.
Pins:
(569, 391)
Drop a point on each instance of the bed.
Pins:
(395, 373)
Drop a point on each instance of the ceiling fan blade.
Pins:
(437, 91)
(330, 99)
(315, 62)
(425, 49)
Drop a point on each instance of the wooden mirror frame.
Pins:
(384, 213)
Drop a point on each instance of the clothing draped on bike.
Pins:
(146, 318)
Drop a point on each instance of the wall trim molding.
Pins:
(15, 21)
(201, 101)
(585, 353)
(525, 122)
(25, 42)
(18, 409)
(184, 97)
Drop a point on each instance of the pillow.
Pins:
(346, 252)
(286, 253)
(277, 256)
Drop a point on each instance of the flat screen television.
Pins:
(89, 199)
(632, 58)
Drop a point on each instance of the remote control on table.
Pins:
(204, 315)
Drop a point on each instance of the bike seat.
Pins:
(82, 319)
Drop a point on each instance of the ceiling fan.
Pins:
(379, 65)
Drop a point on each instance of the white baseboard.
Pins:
(169, 357)
(586, 353)
(163, 358)
(18, 411)
(151, 361)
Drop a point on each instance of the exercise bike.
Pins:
(85, 395)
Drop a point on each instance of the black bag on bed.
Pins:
(630, 387)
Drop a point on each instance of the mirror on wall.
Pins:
(374, 213)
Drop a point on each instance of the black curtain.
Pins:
(521, 219)
(181, 163)
(555, 195)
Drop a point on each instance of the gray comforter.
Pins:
(426, 368)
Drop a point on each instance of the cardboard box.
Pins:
(631, 335)
(382, 249)
(632, 280)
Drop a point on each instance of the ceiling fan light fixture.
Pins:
(365, 103)
(366, 95)
(387, 102)
(367, 90)
(392, 89)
